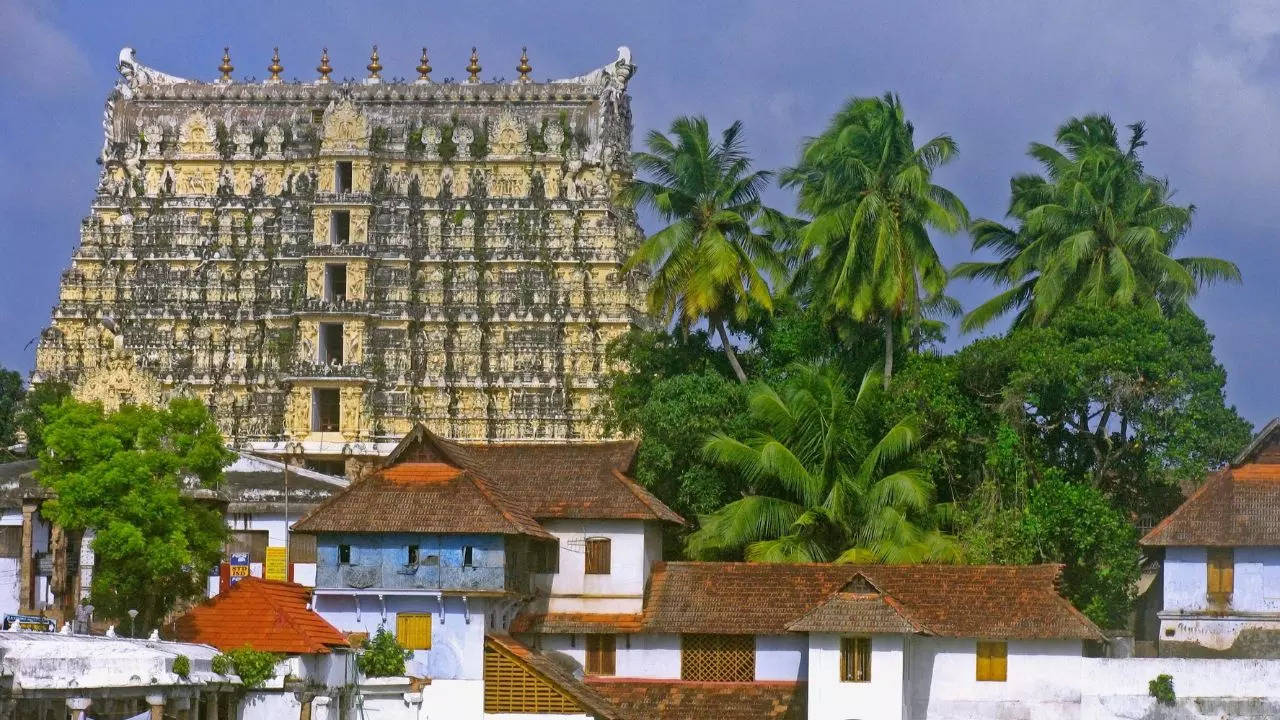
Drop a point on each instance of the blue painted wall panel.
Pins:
(380, 561)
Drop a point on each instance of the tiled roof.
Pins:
(679, 700)
(1014, 601)
(855, 612)
(1239, 506)
(584, 480)
(587, 697)
(421, 497)
(577, 623)
(267, 615)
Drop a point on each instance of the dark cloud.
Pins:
(995, 75)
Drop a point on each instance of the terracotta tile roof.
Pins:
(679, 700)
(266, 615)
(421, 497)
(1014, 601)
(1239, 506)
(587, 697)
(855, 612)
(577, 623)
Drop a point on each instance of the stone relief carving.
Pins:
(345, 128)
(463, 136)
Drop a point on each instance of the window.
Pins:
(855, 659)
(317, 115)
(302, 548)
(718, 658)
(326, 409)
(340, 227)
(468, 556)
(412, 556)
(10, 541)
(1222, 573)
(251, 542)
(993, 661)
(342, 177)
(601, 654)
(598, 551)
(335, 283)
(413, 630)
(546, 557)
(330, 350)
(344, 554)
(337, 468)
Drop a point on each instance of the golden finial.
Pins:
(474, 67)
(374, 67)
(275, 68)
(524, 68)
(324, 68)
(226, 67)
(424, 68)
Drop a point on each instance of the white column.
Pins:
(320, 708)
(78, 707)
(157, 706)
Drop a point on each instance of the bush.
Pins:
(382, 656)
(182, 666)
(1162, 689)
(253, 666)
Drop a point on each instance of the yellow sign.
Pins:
(239, 571)
(277, 564)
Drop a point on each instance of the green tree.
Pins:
(866, 253)
(382, 656)
(710, 262)
(10, 399)
(123, 475)
(1073, 524)
(824, 480)
(33, 413)
(1095, 229)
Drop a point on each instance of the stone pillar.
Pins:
(157, 706)
(211, 706)
(182, 707)
(320, 708)
(78, 707)
(27, 564)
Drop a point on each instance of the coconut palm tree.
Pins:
(710, 262)
(818, 487)
(1094, 229)
(870, 194)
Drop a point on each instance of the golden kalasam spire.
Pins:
(374, 67)
(474, 67)
(324, 68)
(275, 68)
(226, 67)
(424, 68)
(524, 68)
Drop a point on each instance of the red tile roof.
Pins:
(266, 615)
(680, 700)
(587, 697)
(584, 480)
(1237, 507)
(998, 601)
(577, 623)
(425, 497)
(856, 612)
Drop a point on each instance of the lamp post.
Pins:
(133, 628)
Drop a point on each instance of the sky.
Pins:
(1204, 76)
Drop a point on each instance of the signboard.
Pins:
(239, 567)
(277, 565)
(28, 622)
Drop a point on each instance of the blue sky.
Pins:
(995, 75)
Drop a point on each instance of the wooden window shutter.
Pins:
(855, 659)
(413, 630)
(1222, 571)
(510, 687)
(601, 654)
(11, 541)
(993, 661)
(302, 548)
(598, 556)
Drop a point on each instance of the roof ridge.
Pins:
(499, 502)
(645, 497)
(324, 504)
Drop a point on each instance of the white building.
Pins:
(1220, 552)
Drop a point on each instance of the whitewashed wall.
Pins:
(637, 656)
(622, 590)
(1117, 689)
(1044, 680)
(881, 698)
(781, 657)
(1257, 579)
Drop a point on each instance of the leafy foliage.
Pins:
(1073, 523)
(1094, 230)
(710, 262)
(33, 413)
(254, 667)
(382, 656)
(123, 474)
(824, 480)
(182, 666)
(10, 396)
(1161, 688)
(866, 253)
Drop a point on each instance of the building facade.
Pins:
(327, 263)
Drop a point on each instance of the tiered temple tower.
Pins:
(328, 262)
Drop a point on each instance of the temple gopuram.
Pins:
(327, 263)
